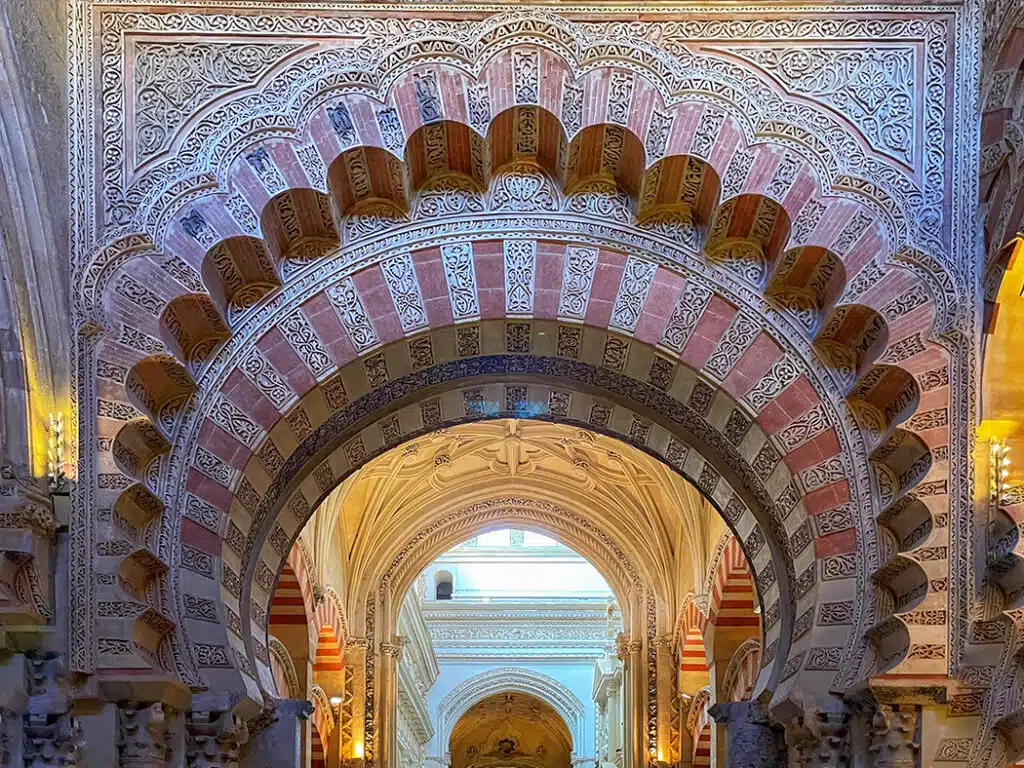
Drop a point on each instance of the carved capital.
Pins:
(143, 735)
(667, 642)
(819, 740)
(893, 736)
(25, 507)
(214, 739)
(265, 719)
(394, 649)
(52, 741)
(625, 647)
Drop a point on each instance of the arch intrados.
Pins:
(550, 159)
(341, 435)
(456, 161)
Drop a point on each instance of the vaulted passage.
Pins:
(515, 558)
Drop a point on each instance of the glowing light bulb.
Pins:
(357, 749)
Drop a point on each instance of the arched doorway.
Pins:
(511, 730)
(332, 294)
(377, 539)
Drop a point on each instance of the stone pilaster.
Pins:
(353, 714)
(387, 730)
(754, 741)
(215, 739)
(142, 732)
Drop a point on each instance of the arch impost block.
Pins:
(147, 690)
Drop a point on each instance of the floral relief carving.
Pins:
(174, 80)
(873, 87)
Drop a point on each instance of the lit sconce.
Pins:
(336, 701)
(55, 451)
(357, 750)
(999, 469)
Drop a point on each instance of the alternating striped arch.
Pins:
(693, 660)
(294, 603)
(328, 651)
(702, 748)
(698, 723)
(318, 755)
(291, 606)
(741, 673)
(330, 644)
(323, 723)
(732, 593)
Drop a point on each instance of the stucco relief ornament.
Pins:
(872, 86)
(173, 80)
(523, 187)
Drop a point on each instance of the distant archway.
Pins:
(510, 728)
(510, 679)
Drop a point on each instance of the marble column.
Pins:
(753, 741)
(630, 653)
(387, 725)
(615, 718)
(275, 739)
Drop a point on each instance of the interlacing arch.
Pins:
(646, 267)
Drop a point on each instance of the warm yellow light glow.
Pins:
(55, 450)
(996, 430)
(357, 749)
(336, 701)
